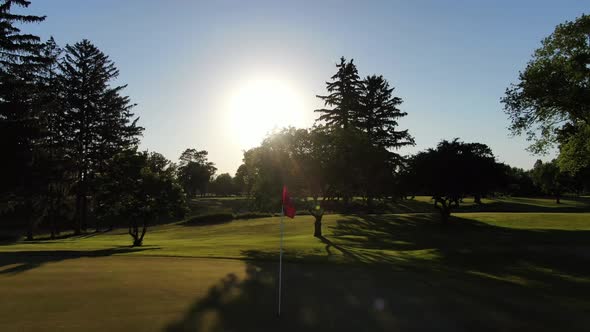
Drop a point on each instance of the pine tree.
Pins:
(379, 114)
(58, 172)
(20, 128)
(344, 93)
(98, 119)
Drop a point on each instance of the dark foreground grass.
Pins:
(484, 271)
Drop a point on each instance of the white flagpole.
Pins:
(281, 259)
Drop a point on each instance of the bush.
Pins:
(252, 215)
(210, 218)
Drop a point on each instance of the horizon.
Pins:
(180, 64)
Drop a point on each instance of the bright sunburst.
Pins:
(258, 106)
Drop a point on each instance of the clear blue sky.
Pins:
(449, 60)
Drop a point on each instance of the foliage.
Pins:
(139, 187)
(453, 170)
(24, 175)
(223, 185)
(343, 95)
(97, 118)
(195, 171)
(550, 178)
(379, 115)
(550, 102)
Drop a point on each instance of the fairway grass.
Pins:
(483, 271)
(237, 239)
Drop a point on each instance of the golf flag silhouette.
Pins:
(289, 211)
(288, 207)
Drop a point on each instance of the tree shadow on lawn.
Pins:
(499, 204)
(482, 278)
(28, 260)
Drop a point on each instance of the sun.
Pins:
(259, 106)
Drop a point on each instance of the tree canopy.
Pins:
(550, 104)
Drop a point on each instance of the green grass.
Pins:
(483, 271)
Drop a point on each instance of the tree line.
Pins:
(71, 140)
(352, 148)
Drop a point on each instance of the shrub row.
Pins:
(221, 217)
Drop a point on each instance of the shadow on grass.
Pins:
(480, 277)
(501, 204)
(21, 261)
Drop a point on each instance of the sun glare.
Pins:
(258, 107)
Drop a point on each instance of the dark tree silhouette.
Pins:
(21, 131)
(58, 167)
(379, 114)
(139, 187)
(453, 170)
(223, 185)
(195, 171)
(551, 179)
(98, 120)
(343, 96)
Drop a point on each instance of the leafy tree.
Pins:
(550, 179)
(451, 171)
(242, 181)
(520, 182)
(98, 122)
(343, 96)
(195, 171)
(139, 187)
(223, 185)
(550, 103)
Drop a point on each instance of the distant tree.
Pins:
(242, 181)
(195, 171)
(551, 179)
(550, 102)
(223, 185)
(343, 96)
(519, 182)
(139, 187)
(98, 119)
(451, 171)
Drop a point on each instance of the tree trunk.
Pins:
(317, 232)
(477, 199)
(444, 208)
(52, 224)
(134, 232)
(78, 222)
(370, 202)
(445, 214)
(30, 219)
(557, 199)
(84, 219)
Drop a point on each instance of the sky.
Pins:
(197, 69)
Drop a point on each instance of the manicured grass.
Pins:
(483, 271)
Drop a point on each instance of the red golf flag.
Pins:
(288, 207)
